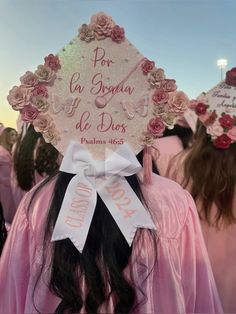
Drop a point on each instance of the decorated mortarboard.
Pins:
(99, 95)
(216, 109)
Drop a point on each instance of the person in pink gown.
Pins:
(166, 272)
(33, 160)
(207, 171)
(131, 241)
(8, 138)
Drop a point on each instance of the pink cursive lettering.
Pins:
(74, 86)
(106, 123)
(99, 55)
(83, 125)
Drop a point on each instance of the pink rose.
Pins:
(101, 25)
(159, 109)
(168, 85)
(29, 113)
(52, 62)
(40, 103)
(42, 123)
(169, 119)
(86, 33)
(222, 142)
(29, 79)
(232, 133)
(226, 121)
(40, 90)
(215, 129)
(18, 97)
(147, 66)
(45, 74)
(156, 127)
(160, 96)
(147, 139)
(178, 102)
(117, 34)
(52, 135)
(155, 77)
(201, 108)
(208, 118)
(231, 77)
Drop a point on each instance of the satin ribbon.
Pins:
(107, 179)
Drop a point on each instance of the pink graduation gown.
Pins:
(180, 282)
(220, 243)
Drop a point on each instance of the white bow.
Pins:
(107, 179)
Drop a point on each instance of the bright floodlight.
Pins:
(222, 63)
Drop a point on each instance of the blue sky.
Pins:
(185, 37)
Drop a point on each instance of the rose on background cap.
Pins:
(2, 127)
(216, 109)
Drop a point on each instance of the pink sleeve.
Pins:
(14, 266)
(175, 169)
(181, 280)
(199, 288)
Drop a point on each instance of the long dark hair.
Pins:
(212, 174)
(102, 262)
(45, 161)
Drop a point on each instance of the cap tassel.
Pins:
(147, 165)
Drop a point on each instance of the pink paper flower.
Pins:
(215, 129)
(18, 97)
(178, 102)
(160, 96)
(40, 90)
(155, 77)
(86, 33)
(169, 85)
(52, 62)
(29, 79)
(156, 127)
(208, 118)
(201, 108)
(45, 74)
(222, 142)
(231, 77)
(52, 135)
(40, 103)
(159, 109)
(147, 66)
(42, 123)
(117, 34)
(29, 113)
(226, 121)
(232, 133)
(101, 25)
(169, 120)
(147, 139)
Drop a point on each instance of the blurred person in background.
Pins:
(7, 139)
(208, 171)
